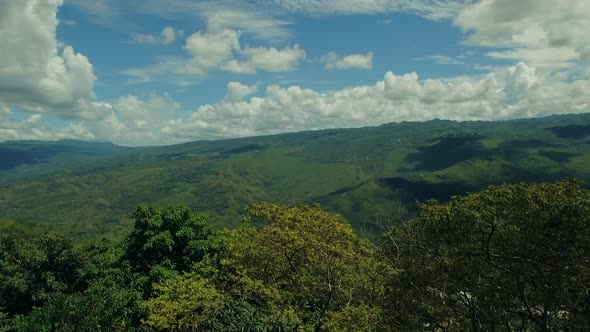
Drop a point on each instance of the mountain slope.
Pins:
(365, 174)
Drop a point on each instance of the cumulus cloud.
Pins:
(268, 59)
(548, 34)
(209, 50)
(36, 74)
(518, 91)
(236, 91)
(48, 80)
(353, 61)
(514, 92)
(206, 50)
(34, 129)
(166, 37)
(220, 49)
(33, 119)
(130, 120)
(148, 113)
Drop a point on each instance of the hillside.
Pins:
(87, 189)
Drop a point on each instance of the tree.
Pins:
(165, 242)
(32, 272)
(100, 299)
(301, 269)
(187, 303)
(103, 306)
(511, 257)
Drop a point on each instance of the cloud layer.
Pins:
(218, 48)
(548, 34)
(44, 82)
(514, 92)
(433, 9)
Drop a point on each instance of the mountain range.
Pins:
(369, 175)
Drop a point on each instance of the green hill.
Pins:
(87, 189)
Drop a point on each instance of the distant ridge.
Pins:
(366, 174)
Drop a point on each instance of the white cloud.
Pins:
(248, 20)
(216, 49)
(219, 15)
(130, 120)
(4, 111)
(519, 91)
(33, 129)
(134, 121)
(549, 57)
(230, 14)
(210, 50)
(236, 91)
(36, 74)
(144, 114)
(47, 80)
(548, 34)
(166, 37)
(268, 59)
(519, 81)
(353, 61)
(514, 92)
(440, 59)
(207, 50)
(432, 9)
(33, 119)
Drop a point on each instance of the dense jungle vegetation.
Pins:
(508, 258)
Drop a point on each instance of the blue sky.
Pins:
(162, 72)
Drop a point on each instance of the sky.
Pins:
(157, 72)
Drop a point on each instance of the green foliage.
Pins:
(512, 257)
(301, 269)
(509, 258)
(101, 307)
(34, 272)
(51, 286)
(187, 303)
(166, 241)
(356, 319)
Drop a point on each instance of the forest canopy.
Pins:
(508, 258)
